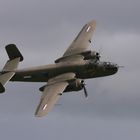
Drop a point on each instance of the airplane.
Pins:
(67, 74)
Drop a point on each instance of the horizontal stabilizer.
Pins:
(8, 72)
(13, 52)
(4, 78)
(11, 65)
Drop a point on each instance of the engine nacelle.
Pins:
(87, 55)
(75, 85)
(91, 55)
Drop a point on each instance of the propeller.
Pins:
(98, 56)
(85, 90)
(120, 66)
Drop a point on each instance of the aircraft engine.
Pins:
(75, 85)
(91, 55)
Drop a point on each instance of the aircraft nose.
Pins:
(115, 68)
(112, 67)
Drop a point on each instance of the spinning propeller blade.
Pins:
(85, 90)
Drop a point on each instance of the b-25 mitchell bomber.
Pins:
(65, 75)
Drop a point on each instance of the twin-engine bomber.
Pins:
(65, 75)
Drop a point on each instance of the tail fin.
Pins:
(11, 65)
(13, 52)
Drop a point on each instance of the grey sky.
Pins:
(43, 30)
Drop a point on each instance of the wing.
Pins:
(52, 92)
(80, 44)
(49, 98)
(82, 41)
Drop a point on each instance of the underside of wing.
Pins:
(82, 41)
(52, 92)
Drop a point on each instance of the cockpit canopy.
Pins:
(109, 64)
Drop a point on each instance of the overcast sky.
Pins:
(42, 30)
